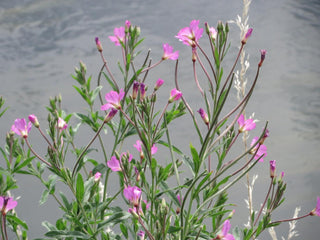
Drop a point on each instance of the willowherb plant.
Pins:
(184, 199)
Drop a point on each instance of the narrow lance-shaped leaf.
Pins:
(80, 188)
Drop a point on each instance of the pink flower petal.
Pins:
(154, 149)
(114, 164)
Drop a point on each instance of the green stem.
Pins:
(86, 148)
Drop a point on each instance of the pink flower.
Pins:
(224, 235)
(7, 204)
(190, 35)
(114, 164)
(261, 151)
(174, 95)
(34, 120)
(141, 235)
(248, 34)
(98, 43)
(204, 116)
(21, 128)
(97, 176)
(168, 52)
(62, 124)
(213, 33)
(245, 125)
(113, 100)
(147, 204)
(132, 194)
(158, 84)
(272, 168)
(316, 211)
(119, 36)
(154, 149)
(138, 146)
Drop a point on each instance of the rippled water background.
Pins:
(41, 41)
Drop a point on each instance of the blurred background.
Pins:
(41, 41)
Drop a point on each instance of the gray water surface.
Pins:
(41, 41)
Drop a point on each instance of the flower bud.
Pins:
(158, 84)
(98, 43)
(34, 120)
(272, 168)
(110, 115)
(204, 116)
(133, 212)
(263, 56)
(220, 27)
(142, 91)
(227, 27)
(83, 67)
(135, 90)
(174, 95)
(137, 173)
(266, 134)
(141, 235)
(127, 25)
(206, 25)
(138, 31)
(246, 36)
(97, 176)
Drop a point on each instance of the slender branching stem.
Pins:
(264, 203)
(108, 70)
(40, 158)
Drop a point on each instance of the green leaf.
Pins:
(114, 218)
(124, 230)
(175, 149)
(80, 188)
(61, 224)
(153, 166)
(195, 157)
(82, 93)
(65, 201)
(65, 234)
(173, 229)
(44, 196)
(169, 192)
(198, 189)
(23, 164)
(94, 93)
(17, 221)
(48, 226)
(164, 172)
(112, 85)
